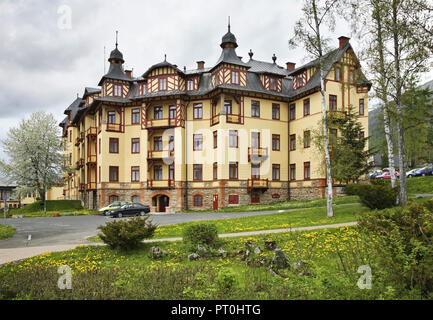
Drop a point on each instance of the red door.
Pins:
(215, 201)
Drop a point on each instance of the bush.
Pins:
(226, 279)
(202, 233)
(127, 234)
(352, 189)
(377, 196)
(403, 241)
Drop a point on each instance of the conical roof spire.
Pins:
(229, 39)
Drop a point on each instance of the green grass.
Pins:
(10, 231)
(283, 205)
(420, 185)
(35, 209)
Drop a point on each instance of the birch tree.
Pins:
(34, 155)
(308, 32)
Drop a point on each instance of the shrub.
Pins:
(377, 196)
(201, 233)
(126, 234)
(226, 279)
(403, 241)
(352, 189)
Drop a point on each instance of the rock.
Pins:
(246, 255)
(193, 257)
(156, 252)
(222, 252)
(272, 272)
(164, 253)
(258, 262)
(280, 260)
(201, 250)
(270, 245)
(298, 265)
(258, 250)
(239, 252)
(248, 245)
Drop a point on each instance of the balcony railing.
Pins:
(114, 127)
(234, 118)
(91, 159)
(82, 187)
(160, 184)
(160, 154)
(80, 163)
(91, 186)
(257, 153)
(258, 183)
(161, 123)
(215, 119)
(92, 131)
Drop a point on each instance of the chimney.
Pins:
(290, 66)
(128, 73)
(343, 40)
(200, 64)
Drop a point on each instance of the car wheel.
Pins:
(119, 215)
(423, 174)
(142, 213)
(409, 176)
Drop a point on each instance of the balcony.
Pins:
(91, 159)
(161, 123)
(92, 132)
(234, 118)
(258, 183)
(215, 119)
(116, 127)
(256, 154)
(82, 187)
(79, 139)
(160, 184)
(91, 186)
(160, 154)
(80, 163)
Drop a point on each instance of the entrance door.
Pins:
(215, 201)
(163, 203)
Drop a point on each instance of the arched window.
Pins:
(113, 198)
(198, 200)
(135, 199)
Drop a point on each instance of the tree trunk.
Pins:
(390, 146)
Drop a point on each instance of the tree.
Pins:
(308, 31)
(34, 152)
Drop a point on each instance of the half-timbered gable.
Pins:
(164, 77)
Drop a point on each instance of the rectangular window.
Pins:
(190, 85)
(235, 77)
(233, 170)
(99, 175)
(306, 107)
(275, 111)
(135, 174)
(198, 200)
(351, 76)
(70, 135)
(198, 172)
(307, 139)
(114, 145)
(171, 172)
(198, 111)
(157, 113)
(135, 145)
(293, 172)
(292, 142)
(172, 112)
(275, 142)
(171, 143)
(255, 139)
(276, 172)
(255, 171)
(228, 106)
(99, 146)
(114, 174)
(361, 107)
(117, 90)
(233, 199)
(293, 111)
(233, 138)
(157, 173)
(273, 84)
(111, 117)
(300, 80)
(215, 170)
(307, 170)
(332, 102)
(337, 74)
(157, 143)
(162, 84)
(135, 116)
(198, 142)
(144, 88)
(255, 109)
(215, 139)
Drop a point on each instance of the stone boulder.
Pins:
(270, 245)
(258, 250)
(193, 257)
(156, 252)
(280, 260)
(201, 250)
(246, 255)
(222, 252)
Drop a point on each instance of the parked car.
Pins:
(132, 209)
(412, 173)
(376, 173)
(387, 175)
(113, 206)
(425, 171)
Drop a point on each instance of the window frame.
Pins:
(276, 142)
(135, 174)
(157, 141)
(111, 117)
(332, 102)
(135, 142)
(215, 170)
(215, 139)
(307, 142)
(292, 172)
(361, 103)
(228, 106)
(158, 174)
(235, 77)
(276, 169)
(113, 145)
(162, 84)
(307, 103)
(135, 115)
(292, 139)
(255, 105)
(292, 108)
(275, 115)
(117, 90)
(233, 170)
(197, 172)
(113, 175)
(233, 143)
(255, 166)
(158, 113)
(197, 142)
(307, 168)
(170, 111)
(198, 200)
(198, 111)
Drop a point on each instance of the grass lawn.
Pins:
(420, 185)
(10, 231)
(53, 207)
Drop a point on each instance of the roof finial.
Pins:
(117, 34)
(229, 23)
(165, 57)
(251, 54)
(274, 57)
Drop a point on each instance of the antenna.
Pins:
(104, 60)
(117, 34)
(229, 23)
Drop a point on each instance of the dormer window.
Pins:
(337, 74)
(299, 80)
(235, 77)
(117, 90)
(162, 84)
(144, 88)
(273, 84)
(190, 85)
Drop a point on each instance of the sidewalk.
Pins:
(14, 254)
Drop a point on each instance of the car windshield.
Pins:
(115, 204)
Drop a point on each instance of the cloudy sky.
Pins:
(47, 58)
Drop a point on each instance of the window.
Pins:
(233, 170)
(228, 106)
(135, 116)
(190, 85)
(215, 170)
(157, 173)
(255, 171)
(233, 138)
(307, 139)
(135, 145)
(99, 146)
(100, 179)
(114, 145)
(255, 139)
(172, 112)
(306, 107)
(114, 174)
(235, 77)
(157, 143)
(361, 107)
(275, 111)
(215, 139)
(276, 172)
(307, 170)
(171, 172)
(332, 103)
(70, 135)
(255, 109)
(198, 111)
(292, 142)
(293, 172)
(117, 90)
(171, 143)
(299, 80)
(157, 113)
(70, 159)
(198, 172)
(276, 142)
(198, 142)
(162, 84)
(337, 74)
(144, 88)
(273, 84)
(351, 76)
(198, 200)
(135, 174)
(112, 117)
(135, 199)
(112, 199)
(233, 199)
(293, 111)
